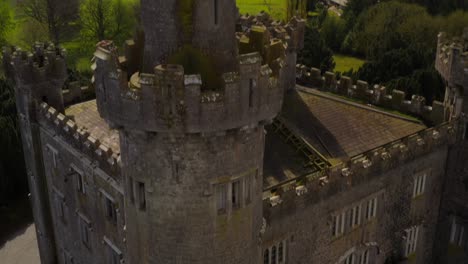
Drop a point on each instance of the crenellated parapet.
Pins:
(452, 59)
(44, 63)
(170, 100)
(291, 33)
(372, 94)
(39, 74)
(361, 168)
(79, 138)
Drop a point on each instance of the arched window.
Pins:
(273, 255)
(266, 256)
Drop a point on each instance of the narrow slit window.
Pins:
(111, 213)
(273, 255)
(251, 87)
(131, 190)
(141, 196)
(215, 13)
(266, 257)
(281, 252)
(221, 198)
(235, 194)
(248, 189)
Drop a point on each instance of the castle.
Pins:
(201, 148)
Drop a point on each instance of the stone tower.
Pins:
(39, 76)
(452, 64)
(191, 125)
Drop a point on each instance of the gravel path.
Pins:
(22, 249)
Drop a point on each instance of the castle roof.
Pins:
(339, 128)
(336, 128)
(86, 115)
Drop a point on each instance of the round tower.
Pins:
(192, 154)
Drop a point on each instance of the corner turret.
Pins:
(40, 74)
(452, 64)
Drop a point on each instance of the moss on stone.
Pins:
(185, 15)
(195, 62)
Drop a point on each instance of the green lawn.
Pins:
(346, 63)
(277, 7)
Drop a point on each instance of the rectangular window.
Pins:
(114, 255)
(357, 216)
(365, 257)
(235, 194)
(350, 259)
(281, 251)
(266, 256)
(349, 219)
(221, 193)
(141, 196)
(85, 226)
(248, 189)
(79, 179)
(54, 154)
(457, 233)
(419, 185)
(338, 225)
(273, 255)
(59, 204)
(411, 240)
(111, 213)
(371, 208)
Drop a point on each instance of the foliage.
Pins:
(52, 14)
(315, 52)
(12, 179)
(296, 8)
(333, 31)
(6, 21)
(107, 19)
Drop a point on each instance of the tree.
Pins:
(6, 21)
(296, 7)
(107, 19)
(333, 31)
(13, 178)
(53, 14)
(315, 52)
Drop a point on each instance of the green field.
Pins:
(345, 63)
(277, 8)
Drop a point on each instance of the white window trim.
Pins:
(270, 250)
(114, 248)
(419, 184)
(411, 241)
(54, 155)
(79, 173)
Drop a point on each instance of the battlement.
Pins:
(375, 95)
(46, 62)
(354, 171)
(452, 59)
(79, 138)
(170, 100)
(291, 33)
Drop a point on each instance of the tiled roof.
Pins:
(339, 128)
(86, 115)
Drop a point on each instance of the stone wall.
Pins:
(304, 218)
(376, 95)
(62, 163)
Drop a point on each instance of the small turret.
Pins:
(452, 64)
(40, 74)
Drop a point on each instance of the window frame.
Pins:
(85, 230)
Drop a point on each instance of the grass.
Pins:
(277, 8)
(345, 63)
